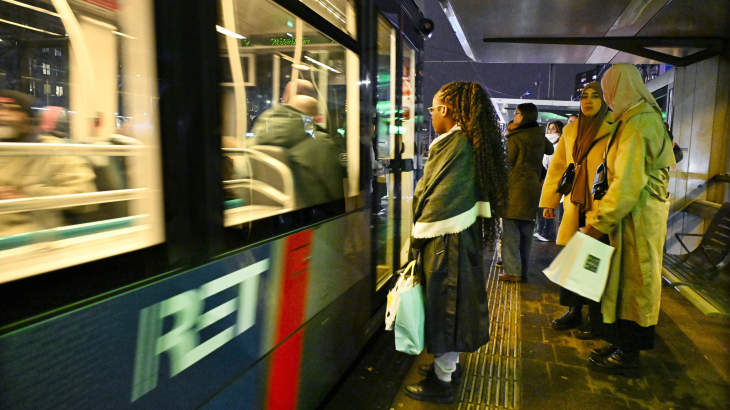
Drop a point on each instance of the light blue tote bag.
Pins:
(409, 322)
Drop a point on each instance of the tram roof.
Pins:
(677, 32)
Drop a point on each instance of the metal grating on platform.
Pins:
(492, 373)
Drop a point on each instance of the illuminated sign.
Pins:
(282, 41)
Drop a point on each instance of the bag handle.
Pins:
(610, 141)
(410, 267)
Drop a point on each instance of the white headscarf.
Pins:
(623, 88)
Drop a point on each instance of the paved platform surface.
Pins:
(528, 365)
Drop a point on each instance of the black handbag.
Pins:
(600, 181)
(566, 182)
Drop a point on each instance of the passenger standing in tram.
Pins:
(547, 230)
(572, 118)
(465, 176)
(633, 213)
(526, 145)
(583, 144)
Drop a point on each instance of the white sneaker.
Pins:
(540, 238)
(535, 234)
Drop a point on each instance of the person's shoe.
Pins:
(604, 351)
(431, 389)
(535, 234)
(509, 278)
(586, 331)
(541, 238)
(618, 363)
(424, 369)
(498, 263)
(570, 319)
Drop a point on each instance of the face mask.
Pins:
(553, 138)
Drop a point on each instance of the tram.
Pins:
(207, 197)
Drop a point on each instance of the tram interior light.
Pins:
(228, 32)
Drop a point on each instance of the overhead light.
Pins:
(322, 64)
(456, 26)
(124, 35)
(28, 6)
(29, 27)
(289, 34)
(228, 32)
(302, 67)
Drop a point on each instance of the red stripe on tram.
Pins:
(286, 360)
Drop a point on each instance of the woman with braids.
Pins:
(457, 206)
(526, 146)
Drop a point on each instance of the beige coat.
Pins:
(634, 213)
(563, 156)
(37, 176)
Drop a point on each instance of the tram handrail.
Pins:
(21, 149)
(286, 200)
(71, 200)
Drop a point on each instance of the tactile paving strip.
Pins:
(491, 379)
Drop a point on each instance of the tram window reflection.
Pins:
(286, 112)
(79, 179)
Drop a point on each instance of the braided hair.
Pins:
(473, 110)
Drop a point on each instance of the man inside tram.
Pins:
(315, 157)
(35, 176)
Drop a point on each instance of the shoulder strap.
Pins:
(610, 140)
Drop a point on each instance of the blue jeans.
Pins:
(516, 245)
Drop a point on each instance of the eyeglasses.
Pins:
(430, 109)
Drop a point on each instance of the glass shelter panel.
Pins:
(79, 155)
(341, 13)
(407, 131)
(290, 108)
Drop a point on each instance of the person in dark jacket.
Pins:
(456, 208)
(316, 167)
(526, 146)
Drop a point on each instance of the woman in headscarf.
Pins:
(457, 204)
(634, 214)
(526, 146)
(583, 144)
(547, 230)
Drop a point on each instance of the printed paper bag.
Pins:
(409, 322)
(582, 266)
(404, 283)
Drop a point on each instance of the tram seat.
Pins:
(706, 269)
(267, 188)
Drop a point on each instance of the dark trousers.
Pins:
(516, 245)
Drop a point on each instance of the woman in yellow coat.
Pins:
(634, 214)
(583, 143)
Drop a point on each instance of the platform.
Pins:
(528, 365)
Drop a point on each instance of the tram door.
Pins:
(395, 138)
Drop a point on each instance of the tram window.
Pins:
(79, 156)
(290, 113)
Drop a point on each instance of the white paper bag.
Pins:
(404, 283)
(582, 266)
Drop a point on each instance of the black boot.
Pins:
(621, 362)
(431, 389)
(604, 351)
(586, 332)
(424, 369)
(570, 319)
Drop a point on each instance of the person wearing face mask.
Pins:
(583, 144)
(547, 230)
(526, 145)
(35, 176)
(633, 213)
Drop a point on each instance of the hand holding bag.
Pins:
(404, 282)
(582, 266)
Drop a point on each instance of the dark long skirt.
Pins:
(455, 292)
(628, 335)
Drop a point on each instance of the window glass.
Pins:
(341, 13)
(79, 156)
(290, 108)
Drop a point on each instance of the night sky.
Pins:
(503, 80)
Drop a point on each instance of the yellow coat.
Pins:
(563, 156)
(634, 213)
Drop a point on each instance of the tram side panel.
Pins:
(178, 343)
